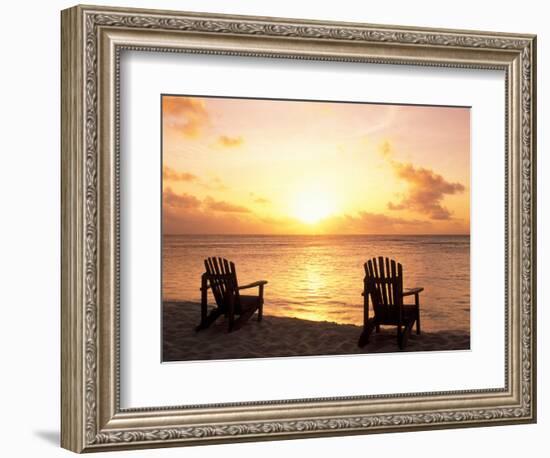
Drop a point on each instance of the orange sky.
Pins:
(242, 166)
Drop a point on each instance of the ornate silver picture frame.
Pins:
(93, 39)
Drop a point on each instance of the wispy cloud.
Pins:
(262, 201)
(187, 116)
(230, 142)
(223, 206)
(189, 201)
(170, 174)
(374, 223)
(426, 188)
(215, 184)
(187, 214)
(259, 199)
(186, 201)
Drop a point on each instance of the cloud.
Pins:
(215, 184)
(197, 221)
(188, 201)
(187, 116)
(259, 199)
(374, 223)
(385, 148)
(380, 220)
(222, 206)
(173, 175)
(262, 201)
(426, 189)
(186, 214)
(185, 201)
(230, 142)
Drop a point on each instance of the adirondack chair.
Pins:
(221, 278)
(383, 284)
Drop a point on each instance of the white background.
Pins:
(29, 241)
(145, 76)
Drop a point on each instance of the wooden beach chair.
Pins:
(221, 278)
(383, 283)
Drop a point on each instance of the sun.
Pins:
(313, 206)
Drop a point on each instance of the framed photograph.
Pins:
(277, 228)
(308, 190)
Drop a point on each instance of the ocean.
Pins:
(320, 277)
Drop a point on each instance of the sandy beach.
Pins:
(282, 336)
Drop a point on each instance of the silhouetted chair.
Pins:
(221, 278)
(383, 283)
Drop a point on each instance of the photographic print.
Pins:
(306, 228)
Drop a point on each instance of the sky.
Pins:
(254, 166)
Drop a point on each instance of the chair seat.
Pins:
(390, 314)
(220, 277)
(249, 302)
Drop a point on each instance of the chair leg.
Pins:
(212, 316)
(261, 307)
(365, 335)
(204, 303)
(405, 333)
(417, 303)
(260, 311)
(231, 314)
(399, 337)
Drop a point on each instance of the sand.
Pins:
(282, 336)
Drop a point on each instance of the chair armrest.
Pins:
(252, 285)
(204, 282)
(411, 291)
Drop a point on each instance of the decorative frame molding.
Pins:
(92, 39)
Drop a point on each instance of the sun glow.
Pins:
(262, 166)
(313, 206)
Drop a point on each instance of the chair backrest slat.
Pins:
(389, 286)
(399, 284)
(222, 278)
(384, 283)
(393, 286)
(377, 297)
(219, 278)
(211, 277)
